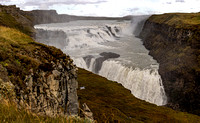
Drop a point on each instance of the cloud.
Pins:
(181, 1)
(45, 4)
(168, 2)
(108, 7)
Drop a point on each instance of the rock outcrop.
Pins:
(13, 17)
(48, 90)
(43, 78)
(52, 92)
(174, 42)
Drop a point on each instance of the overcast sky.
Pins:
(108, 7)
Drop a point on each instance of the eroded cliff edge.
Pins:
(174, 41)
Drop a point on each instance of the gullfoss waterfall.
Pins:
(110, 49)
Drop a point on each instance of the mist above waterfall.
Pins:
(110, 49)
(137, 24)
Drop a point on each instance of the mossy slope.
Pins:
(19, 54)
(13, 17)
(111, 102)
(178, 20)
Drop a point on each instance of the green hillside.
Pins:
(110, 101)
(178, 20)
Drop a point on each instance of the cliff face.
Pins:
(44, 16)
(173, 40)
(13, 17)
(51, 16)
(39, 77)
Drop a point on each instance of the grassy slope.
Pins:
(17, 56)
(19, 53)
(9, 114)
(16, 22)
(109, 101)
(179, 20)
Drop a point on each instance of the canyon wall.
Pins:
(174, 41)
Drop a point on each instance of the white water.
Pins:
(134, 69)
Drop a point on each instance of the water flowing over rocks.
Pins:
(52, 38)
(110, 49)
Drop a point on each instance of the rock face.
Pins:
(52, 93)
(49, 90)
(177, 50)
(51, 16)
(42, 78)
(99, 61)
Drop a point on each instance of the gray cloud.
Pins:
(53, 2)
(168, 3)
(181, 1)
(45, 4)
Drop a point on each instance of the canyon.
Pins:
(46, 80)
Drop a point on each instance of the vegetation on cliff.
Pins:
(43, 77)
(178, 20)
(173, 40)
(13, 17)
(9, 113)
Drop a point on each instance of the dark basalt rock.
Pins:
(109, 55)
(88, 59)
(99, 61)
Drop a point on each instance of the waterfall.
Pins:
(145, 84)
(110, 49)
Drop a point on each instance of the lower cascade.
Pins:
(110, 49)
(144, 84)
